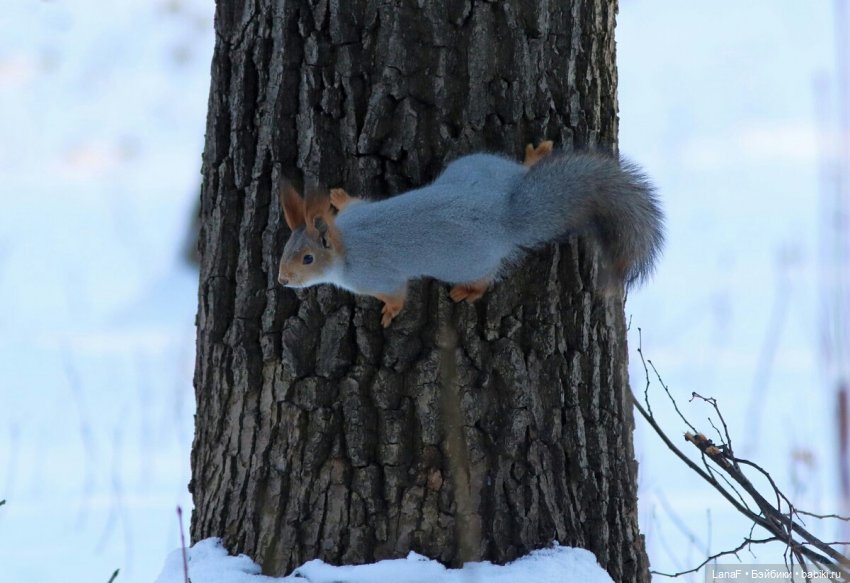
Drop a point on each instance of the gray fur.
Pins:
(483, 210)
(595, 196)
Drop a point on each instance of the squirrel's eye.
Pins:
(308, 259)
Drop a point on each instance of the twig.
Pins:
(713, 402)
(183, 547)
(813, 515)
(660, 432)
(774, 520)
(715, 556)
(645, 370)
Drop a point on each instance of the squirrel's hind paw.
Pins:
(470, 292)
(534, 155)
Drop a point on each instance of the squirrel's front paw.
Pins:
(392, 306)
(341, 199)
(388, 313)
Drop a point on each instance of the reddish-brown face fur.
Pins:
(314, 235)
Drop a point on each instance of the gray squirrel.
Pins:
(470, 224)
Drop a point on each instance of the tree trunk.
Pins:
(461, 432)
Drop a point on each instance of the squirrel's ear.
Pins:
(322, 228)
(292, 205)
(320, 225)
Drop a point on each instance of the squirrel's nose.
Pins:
(282, 280)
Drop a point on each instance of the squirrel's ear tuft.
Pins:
(292, 205)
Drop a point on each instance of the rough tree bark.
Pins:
(461, 432)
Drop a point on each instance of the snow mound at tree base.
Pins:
(210, 563)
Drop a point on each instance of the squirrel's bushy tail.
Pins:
(593, 195)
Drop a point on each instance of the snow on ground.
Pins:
(209, 562)
(102, 109)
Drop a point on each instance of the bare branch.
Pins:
(801, 546)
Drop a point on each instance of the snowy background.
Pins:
(102, 111)
(719, 102)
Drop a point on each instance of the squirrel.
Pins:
(471, 223)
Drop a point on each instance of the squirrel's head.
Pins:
(315, 245)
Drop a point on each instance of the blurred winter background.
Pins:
(102, 112)
(731, 107)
